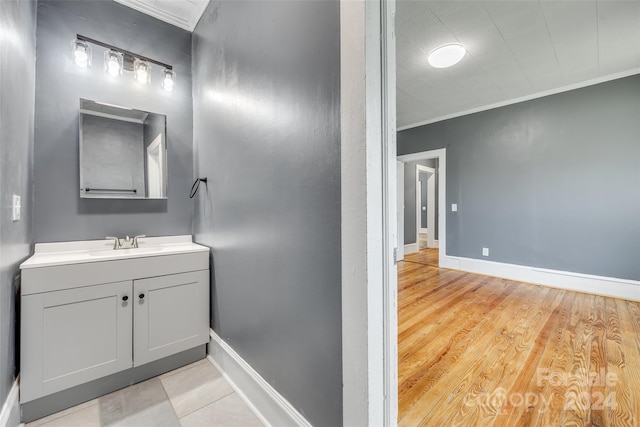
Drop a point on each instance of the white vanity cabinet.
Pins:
(171, 314)
(73, 336)
(87, 319)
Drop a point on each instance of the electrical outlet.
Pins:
(454, 207)
(485, 251)
(16, 205)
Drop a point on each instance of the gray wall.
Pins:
(267, 132)
(410, 199)
(112, 155)
(552, 182)
(61, 215)
(17, 85)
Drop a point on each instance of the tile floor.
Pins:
(195, 395)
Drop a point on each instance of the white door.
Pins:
(74, 336)
(171, 314)
(155, 171)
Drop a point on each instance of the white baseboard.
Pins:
(424, 230)
(11, 410)
(598, 285)
(270, 406)
(411, 248)
(436, 244)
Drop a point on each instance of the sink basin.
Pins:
(125, 252)
(91, 251)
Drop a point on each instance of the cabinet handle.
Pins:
(141, 296)
(124, 298)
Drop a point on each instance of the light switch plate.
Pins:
(485, 251)
(454, 207)
(16, 207)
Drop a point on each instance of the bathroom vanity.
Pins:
(92, 312)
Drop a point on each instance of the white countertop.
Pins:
(64, 253)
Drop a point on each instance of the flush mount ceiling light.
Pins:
(81, 53)
(447, 55)
(113, 61)
(168, 79)
(116, 60)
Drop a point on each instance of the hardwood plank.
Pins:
(451, 339)
(496, 379)
(554, 400)
(470, 346)
(598, 366)
(617, 399)
(454, 384)
(527, 393)
(424, 256)
(630, 333)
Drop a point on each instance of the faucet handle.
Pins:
(116, 241)
(135, 240)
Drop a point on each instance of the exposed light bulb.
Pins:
(81, 58)
(81, 53)
(168, 82)
(447, 55)
(113, 63)
(141, 75)
(113, 68)
(141, 71)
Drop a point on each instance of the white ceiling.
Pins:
(181, 13)
(516, 50)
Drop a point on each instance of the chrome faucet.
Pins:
(126, 243)
(116, 242)
(135, 239)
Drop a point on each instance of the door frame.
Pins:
(441, 155)
(400, 211)
(431, 188)
(368, 213)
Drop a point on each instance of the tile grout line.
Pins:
(207, 405)
(181, 369)
(197, 409)
(168, 398)
(76, 408)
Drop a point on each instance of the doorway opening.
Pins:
(422, 207)
(425, 214)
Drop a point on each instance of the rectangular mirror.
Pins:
(123, 152)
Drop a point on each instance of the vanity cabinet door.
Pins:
(171, 314)
(73, 336)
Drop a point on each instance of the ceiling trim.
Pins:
(566, 88)
(178, 21)
(200, 11)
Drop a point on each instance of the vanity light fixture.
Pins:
(113, 62)
(168, 79)
(81, 53)
(447, 55)
(116, 60)
(141, 71)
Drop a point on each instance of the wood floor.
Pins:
(425, 256)
(483, 351)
